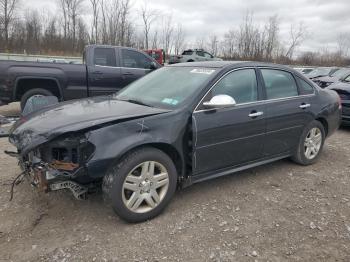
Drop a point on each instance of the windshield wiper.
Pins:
(134, 101)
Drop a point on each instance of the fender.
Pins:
(36, 78)
(128, 136)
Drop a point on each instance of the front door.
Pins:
(231, 136)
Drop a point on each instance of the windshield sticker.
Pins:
(170, 101)
(202, 71)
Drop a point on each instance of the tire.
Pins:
(128, 173)
(33, 92)
(301, 156)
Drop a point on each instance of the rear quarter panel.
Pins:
(326, 105)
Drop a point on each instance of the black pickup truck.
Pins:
(105, 70)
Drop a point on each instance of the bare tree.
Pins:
(343, 42)
(167, 33)
(124, 22)
(64, 6)
(213, 44)
(74, 13)
(229, 44)
(7, 12)
(179, 39)
(271, 41)
(95, 19)
(297, 35)
(148, 16)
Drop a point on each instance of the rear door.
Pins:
(104, 74)
(231, 136)
(287, 111)
(134, 65)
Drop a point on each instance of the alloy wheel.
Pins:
(313, 143)
(145, 187)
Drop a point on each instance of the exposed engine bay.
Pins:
(59, 164)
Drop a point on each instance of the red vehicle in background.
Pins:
(157, 54)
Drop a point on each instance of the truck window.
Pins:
(132, 59)
(105, 57)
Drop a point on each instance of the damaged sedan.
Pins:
(179, 125)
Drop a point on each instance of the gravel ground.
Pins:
(276, 212)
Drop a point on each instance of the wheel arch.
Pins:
(24, 84)
(166, 148)
(324, 122)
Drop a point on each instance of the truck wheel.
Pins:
(33, 93)
(141, 184)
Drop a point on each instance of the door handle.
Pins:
(128, 74)
(255, 114)
(97, 72)
(303, 106)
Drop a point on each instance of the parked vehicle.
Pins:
(321, 71)
(304, 70)
(106, 70)
(325, 81)
(157, 54)
(212, 119)
(193, 55)
(343, 89)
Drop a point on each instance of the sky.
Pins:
(324, 20)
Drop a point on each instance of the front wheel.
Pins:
(140, 185)
(310, 144)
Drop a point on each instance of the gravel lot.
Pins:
(276, 212)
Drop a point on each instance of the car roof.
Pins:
(229, 64)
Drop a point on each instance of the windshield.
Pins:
(341, 72)
(167, 87)
(320, 72)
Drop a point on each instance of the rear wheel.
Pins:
(310, 144)
(37, 92)
(141, 185)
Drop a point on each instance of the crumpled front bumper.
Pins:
(46, 179)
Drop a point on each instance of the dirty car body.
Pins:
(74, 144)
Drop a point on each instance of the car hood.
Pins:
(315, 77)
(327, 79)
(72, 116)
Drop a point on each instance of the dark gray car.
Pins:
(176, 126)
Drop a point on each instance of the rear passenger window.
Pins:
(279, 84)
(241, 85)
(105, 57)
(305, 87)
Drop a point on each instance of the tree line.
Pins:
(112, 22)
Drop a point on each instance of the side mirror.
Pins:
(153, 65)
(220, 101)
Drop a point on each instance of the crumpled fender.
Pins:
(113, 142)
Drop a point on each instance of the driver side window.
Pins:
(241, 85)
